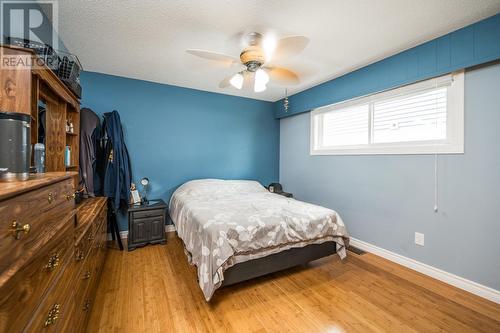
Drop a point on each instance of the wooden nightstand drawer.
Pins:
(148, 213)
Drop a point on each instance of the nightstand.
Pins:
(146, 224)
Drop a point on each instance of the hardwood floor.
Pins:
(153, 289)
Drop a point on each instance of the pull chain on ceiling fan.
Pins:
(255, 60)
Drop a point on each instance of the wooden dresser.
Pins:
(51, 254)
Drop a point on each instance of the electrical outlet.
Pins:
(419, 239)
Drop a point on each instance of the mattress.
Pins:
(225, 222)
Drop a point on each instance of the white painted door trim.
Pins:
(449, 278)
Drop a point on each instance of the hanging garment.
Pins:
(41, 124)
(90, 149)
(118, 174)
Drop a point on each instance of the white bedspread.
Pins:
(223, 222)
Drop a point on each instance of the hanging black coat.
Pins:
(118, 175)
(90, 150)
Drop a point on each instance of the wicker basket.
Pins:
(44, 51)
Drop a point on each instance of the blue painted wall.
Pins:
(384, 199)
(177, 134)
(469, 46)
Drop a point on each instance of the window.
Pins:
(422, 118)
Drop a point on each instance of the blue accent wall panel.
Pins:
(177, 134)
(466, 47)
(385, 199)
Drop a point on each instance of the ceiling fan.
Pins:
(255, 61)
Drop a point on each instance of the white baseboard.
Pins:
(124, 233)
(449, 278)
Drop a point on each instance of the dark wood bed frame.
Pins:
(277, 262)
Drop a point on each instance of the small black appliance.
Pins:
(15, 146)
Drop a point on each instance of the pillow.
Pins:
(220, 187)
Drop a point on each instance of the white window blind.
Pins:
(346, 126)
(417, 117)
(426, 117)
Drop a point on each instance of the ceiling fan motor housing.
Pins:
(252, 57)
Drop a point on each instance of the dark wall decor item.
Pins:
(146, 224)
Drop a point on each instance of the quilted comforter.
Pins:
(224, 222)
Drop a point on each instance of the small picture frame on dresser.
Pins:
(146, 223)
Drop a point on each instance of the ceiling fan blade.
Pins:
(282, 75)
(290, 46)
(229, 60)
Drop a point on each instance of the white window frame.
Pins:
(453, 144)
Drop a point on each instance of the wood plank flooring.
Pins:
(153, 289)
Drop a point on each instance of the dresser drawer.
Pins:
(86, 284)
(89, 219)
(30, 220)
(83, 283)
(101, 242)
(57, 309)
(84, 244)
(148, 213)
(21, 293)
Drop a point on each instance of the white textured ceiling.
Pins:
(146, 39)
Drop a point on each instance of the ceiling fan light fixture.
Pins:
(261, 79)
(237, 81)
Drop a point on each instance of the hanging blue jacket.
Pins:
(118, 174)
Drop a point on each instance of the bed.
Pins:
(235, 230)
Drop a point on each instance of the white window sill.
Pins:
(392, 150)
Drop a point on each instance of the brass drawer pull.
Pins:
(86, 306)
(53, 262)
(79, 255)
(53, 315)
(69, 197)
(87, 275)
(17, 228)
(51, 197)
